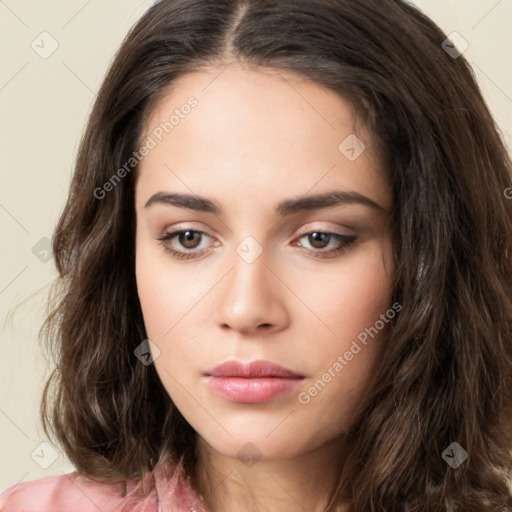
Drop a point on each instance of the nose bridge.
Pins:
(249, 280)
(249, 297)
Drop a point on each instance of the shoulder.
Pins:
(165, 489)
(54, 493)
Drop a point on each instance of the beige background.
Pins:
(44, 104)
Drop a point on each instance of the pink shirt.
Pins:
(166, 491)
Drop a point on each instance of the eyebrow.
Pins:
(287, 207)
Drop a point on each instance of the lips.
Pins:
(251, 369)
(251, 382)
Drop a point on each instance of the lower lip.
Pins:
(252, 391)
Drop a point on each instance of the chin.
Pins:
(252, 446)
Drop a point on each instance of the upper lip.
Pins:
(258, 368)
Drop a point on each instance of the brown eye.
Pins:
(319, 240)
(189, 239)
(184, 244)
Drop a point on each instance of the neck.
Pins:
(296, 484)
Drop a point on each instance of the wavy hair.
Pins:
(446, 372)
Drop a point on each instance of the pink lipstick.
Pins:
(251, 382)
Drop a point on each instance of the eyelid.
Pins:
(185, 226)
(347, 242)
(325, 229)
(304, 231)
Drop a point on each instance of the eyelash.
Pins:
(347, 241)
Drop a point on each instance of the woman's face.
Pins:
(253, 281)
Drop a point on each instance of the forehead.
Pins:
(254, 126)
(254, 97)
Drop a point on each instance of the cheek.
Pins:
(350, 303)
(350, 298)
(164, 293)
(152, 295)
(158, 300)
(166, 296)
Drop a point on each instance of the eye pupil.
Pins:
(186, 237)
(318, 239)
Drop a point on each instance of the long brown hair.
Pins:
(446, 372)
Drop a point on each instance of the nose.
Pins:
(252, 298)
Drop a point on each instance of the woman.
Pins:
(285, 271)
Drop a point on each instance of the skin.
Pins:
(256, 138)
